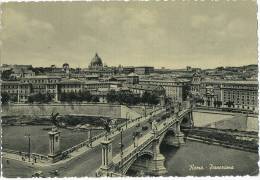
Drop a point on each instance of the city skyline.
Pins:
(204, 35)
(86, 66)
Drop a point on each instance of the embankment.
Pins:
(41, 110)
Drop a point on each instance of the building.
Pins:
(176, 90)
(233, 94)
(128, 69)
(139, 90)
(96, 85)
(144, 70)
(132, 78)
(96, 63)
(70, 85)
(195, 83)
(19, 91)
(66, 68)
(12, 88)
(43, 85)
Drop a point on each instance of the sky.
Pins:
(160, 34)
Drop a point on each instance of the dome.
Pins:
(96, 61)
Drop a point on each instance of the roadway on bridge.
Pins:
(89, 162)
(84, 164)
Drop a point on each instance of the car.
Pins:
(144, 128)
(136, 134)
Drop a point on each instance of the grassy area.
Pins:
(13, 137)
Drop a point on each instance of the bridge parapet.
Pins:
(122, 162)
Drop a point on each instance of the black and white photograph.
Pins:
(129, 89)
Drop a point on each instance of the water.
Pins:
(197, 159)
(184, 160)
(14, 138)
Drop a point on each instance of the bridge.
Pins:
(144, 153)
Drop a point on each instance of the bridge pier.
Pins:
(179, 135)
(107, 157)
(176, 138)
(156, 166)
(54, 145)
(106, 154)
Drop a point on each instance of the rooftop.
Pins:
(231, 82)
(70, 81)
(43, 77)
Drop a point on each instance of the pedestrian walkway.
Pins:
(84, 149)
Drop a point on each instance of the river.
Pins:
(198, 159)
(193, 155)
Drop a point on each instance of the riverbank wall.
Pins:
(220, 143)
(41, 110)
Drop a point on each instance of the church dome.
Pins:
(96, 61)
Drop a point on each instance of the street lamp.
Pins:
(121, 141)
(126, 118)
(135, 139)
(29, 145)
(90, 136)
(121, 148)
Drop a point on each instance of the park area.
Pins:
(15, 138)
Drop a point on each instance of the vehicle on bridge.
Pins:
(144, 128)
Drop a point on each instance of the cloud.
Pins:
(170, 34)
(18, 25)
(198, 21)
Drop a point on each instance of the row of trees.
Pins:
(122, 97)
(126, 97)
(78, 97)
(5, 98)
(41, 98)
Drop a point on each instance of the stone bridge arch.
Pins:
(140, 163)
(147, 157)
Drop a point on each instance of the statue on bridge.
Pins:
(54, 120)
(154, 126)
(106, 124)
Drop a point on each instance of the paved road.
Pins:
(81, 166)
(87, 164)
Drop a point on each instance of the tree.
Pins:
(145, 97)
(186, 90)
(111, 96)
(150, 98)
(154, 99)
(86, 96)
(5, 98)
(229, 103)
(218, 103)
(215, 103)
(6, 74)
(95, 99)
(41, 98)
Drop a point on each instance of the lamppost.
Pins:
(121, 142)
(126, 117)
(29, 145)
(144, 110)
(90, 136)
(135, 139)
(121, 146)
